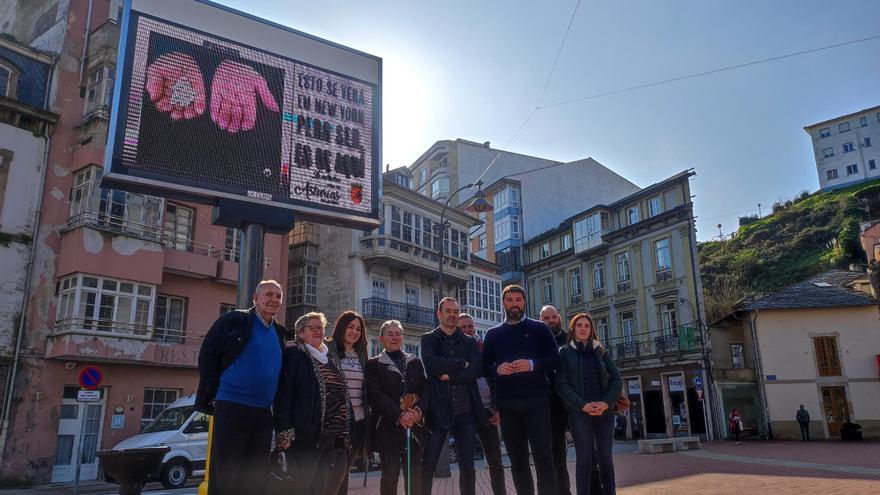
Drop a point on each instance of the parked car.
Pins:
(183, 429)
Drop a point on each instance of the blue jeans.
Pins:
(588, 431)
(464, 429)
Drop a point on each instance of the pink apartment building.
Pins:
(127, 282)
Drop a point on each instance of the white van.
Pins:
(183, 429)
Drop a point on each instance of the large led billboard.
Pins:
(213, 104)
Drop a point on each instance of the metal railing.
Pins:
(681, 339)
(664, 275)
(597, 293)
(107, 328)
(115, 224)
(374, 241)
(189, 245)
(624, 286)
(385, 309)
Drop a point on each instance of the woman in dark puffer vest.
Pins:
(589, 383)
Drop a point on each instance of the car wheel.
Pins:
(175, 473)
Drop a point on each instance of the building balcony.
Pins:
(734, 370)
(379, 309)
(599, 293)
(684, 339)
(664, 275)
(190, 258)
(624, 286)
(79, 339)
(401, 255)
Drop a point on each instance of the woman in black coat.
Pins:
(589, 383)
(398, 393)
(313, 410)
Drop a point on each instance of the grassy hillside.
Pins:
(800, 238)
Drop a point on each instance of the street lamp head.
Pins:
(479, 204)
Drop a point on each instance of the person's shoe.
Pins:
(739, 443)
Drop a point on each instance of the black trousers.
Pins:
(558, 426)
(240, 448)
(320, 471)
(805, 431)
(357, 447)
(463, 428)
(593, 435)
(491, 441)
(393, 463)
(525, 424)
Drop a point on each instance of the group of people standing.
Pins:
(326, 402)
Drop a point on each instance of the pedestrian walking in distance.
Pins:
(239, 362)
(735, 424)
(803, 419)
(589, 383)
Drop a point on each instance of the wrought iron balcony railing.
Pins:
(385, 309)
(679, 340)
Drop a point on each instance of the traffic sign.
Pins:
(88, 395)
(698, 383)
(90, 377)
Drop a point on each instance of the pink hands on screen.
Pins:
(175, 84)
(234, 92)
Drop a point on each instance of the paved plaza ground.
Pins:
(720, 468)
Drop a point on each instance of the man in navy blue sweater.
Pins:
(518, 355)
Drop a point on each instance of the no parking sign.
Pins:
(90, 377)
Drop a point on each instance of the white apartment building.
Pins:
(845, 148)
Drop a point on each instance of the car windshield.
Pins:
(170, 419)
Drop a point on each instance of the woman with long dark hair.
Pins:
(589, 383)
(349, 344)
(312, 410)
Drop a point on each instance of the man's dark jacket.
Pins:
(223, 344)
(463, 363)
(385, 387)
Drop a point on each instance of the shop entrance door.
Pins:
(72, 432)
(836, 412)
(655, 419)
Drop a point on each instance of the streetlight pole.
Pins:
(478, 205)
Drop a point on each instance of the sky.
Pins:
(476, 69)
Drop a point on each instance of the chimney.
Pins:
(486, 144)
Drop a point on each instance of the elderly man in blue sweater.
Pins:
(519, 355)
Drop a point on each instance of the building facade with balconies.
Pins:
(390, 273)
(632, 264)
(125, 281)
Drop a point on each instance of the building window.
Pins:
(843, 127)
(507, 228)
(5, 80)
(632, 214)
(587, 232)
(303, 285)
(668, 318)
(106, 305)
(407, 226)
(566, 242)
(508, 260)
(628, 327)
(852, 169)
(484, 298)
(170, 312)
(863, 121)
(545, 250)
(483, 241)
(867, 142)
(598, 279)
(99, 88)
(411, 295)
(423, 175)
(134, 214)
(848, 147)
(831, 174)
(178, 227)
(737, 360)
(440, 187)
(826, 356)
(443, 162)
(156, 400)
(226, 307)
(547, 290)
(602, 329)
(663, 260)
(872, 165)
(508, 196)
(575, 286)
(623, 276)
(827, 152)
(82, 194)
(654, 207)
(824, 132)
(232, 247)
(380, 289)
